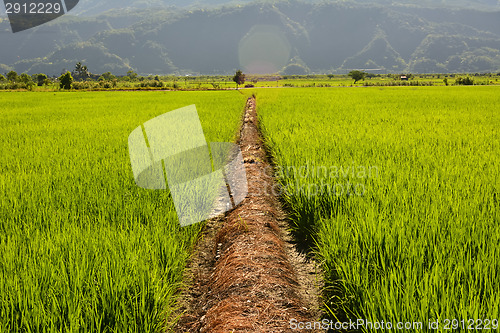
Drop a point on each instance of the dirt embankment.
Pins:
(246, 275)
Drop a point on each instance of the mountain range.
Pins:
(291, 37)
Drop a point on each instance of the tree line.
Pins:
(81, 75)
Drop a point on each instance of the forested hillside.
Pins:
(285, 36)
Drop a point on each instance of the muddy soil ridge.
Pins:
(246, 275)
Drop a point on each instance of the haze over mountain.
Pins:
(95, 7)
(294, 37)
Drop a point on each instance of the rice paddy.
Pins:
(83, 249)
(396, 191)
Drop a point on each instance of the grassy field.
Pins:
(258, 81)
(83, 249)
(397, 191)
(300, 81)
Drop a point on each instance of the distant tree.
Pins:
(2, 78)
(25, 78)
(65, 81)
(215, 83)
(466, 81)
(357, 75)
(330, 76)
(78, 67)
(132, 75)
(239, 78)
(12, 76)
(40, 79)
(108, 76)
(30, 85)
(445, 80)
(81, 72)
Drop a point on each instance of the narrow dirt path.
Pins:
(246, 275)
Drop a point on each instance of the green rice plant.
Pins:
(398, 191)
(83, 249)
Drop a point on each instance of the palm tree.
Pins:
(81, 71)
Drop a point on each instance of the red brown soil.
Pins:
(246, 275)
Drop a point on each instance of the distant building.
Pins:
(404, 78)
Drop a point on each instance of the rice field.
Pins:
(397, 192)
(82, 248)
(394, 190)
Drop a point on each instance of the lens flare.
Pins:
(264, 50)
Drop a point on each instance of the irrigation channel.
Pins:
(246, 274)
